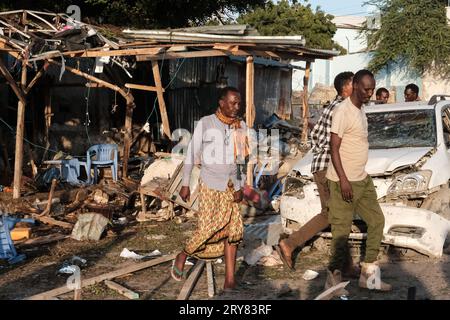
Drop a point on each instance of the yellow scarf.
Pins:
(241, 145)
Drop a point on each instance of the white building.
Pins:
(348, 36)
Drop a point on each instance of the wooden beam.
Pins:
(18, 91)
(92, 78)
(210, 279)
(305, 113)
(36, 78)
(122, 290)
(141, 87)
(250, 106)
(51, 221)
(162, 104)
(127, 137)
(106, 276)
(180, 55)
(191, 281)
(18, 157)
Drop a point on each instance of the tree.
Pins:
(141, 13)
(414, 33)
(293, 18)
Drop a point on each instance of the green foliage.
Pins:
(293, 18)
(413, 32)
(141, 13)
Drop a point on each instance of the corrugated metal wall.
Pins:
(195, 83)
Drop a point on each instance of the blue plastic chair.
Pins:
(7, 249)
(70, 171)
(105, 155)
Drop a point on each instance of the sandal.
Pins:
(176, 274)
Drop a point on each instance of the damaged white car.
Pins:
(409, 161)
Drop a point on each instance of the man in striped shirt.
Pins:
(320, 138)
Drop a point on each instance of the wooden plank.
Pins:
(106, 276)
(141, 87)
(115, 53)
(36, 78)
(305, 113)
(250, 106)
(50, 197)
(333, 291)
(191, 281)
(18, 159)
(49, 220)
(162, 104)
(180, 55)
(127, 136)
(92, 78)
(210, 279)
(122, 290)
(43, 240)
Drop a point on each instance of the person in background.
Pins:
(382, 95)
(411, 93)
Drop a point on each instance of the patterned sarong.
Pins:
(219, 219)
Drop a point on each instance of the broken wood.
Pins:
(78, 202)
(36, 78)
(141, 87)
(106, 276)
(122, 290)
(162, 104)
(48, 220)
(43, 240)
(50, 197)
(191, 281)
(210, 279)
(332, 292)
(18, 91)
(18, 160)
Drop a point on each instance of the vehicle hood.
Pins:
(381, 161)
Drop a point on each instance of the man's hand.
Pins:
(346, 190)
(185, 193)
(238, 196)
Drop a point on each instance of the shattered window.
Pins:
(399, 129)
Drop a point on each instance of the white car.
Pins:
(409, 161)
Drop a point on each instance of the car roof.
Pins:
(402, 106)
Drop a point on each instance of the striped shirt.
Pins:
(321, 136)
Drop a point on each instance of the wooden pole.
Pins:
(305, 114)
(18, 159)
(127, 137)
(18, 91)
(162, 104)
(48, 118)
(250, 106)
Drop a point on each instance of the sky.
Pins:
(341, 8)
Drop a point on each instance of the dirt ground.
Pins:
(38, 273)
